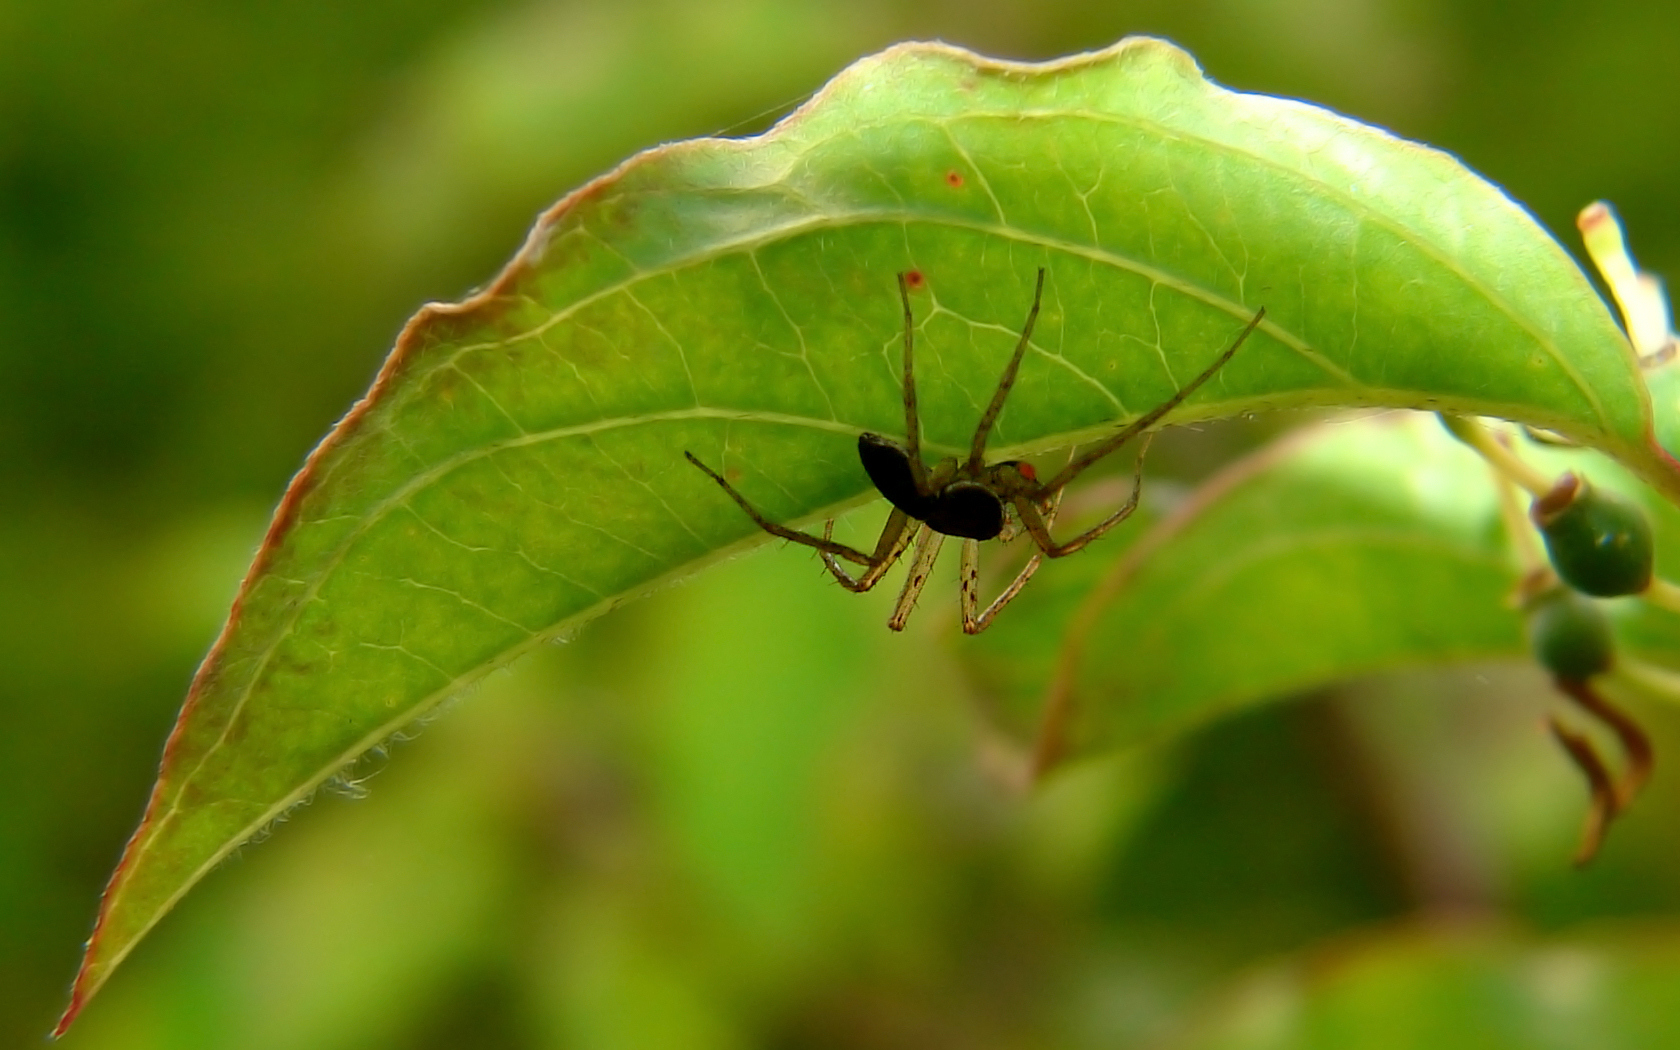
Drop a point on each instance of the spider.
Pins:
(967, 498)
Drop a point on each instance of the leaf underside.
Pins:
(517, 468)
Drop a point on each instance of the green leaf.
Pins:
(517, 468)
(1341, 550)
(1345, 549)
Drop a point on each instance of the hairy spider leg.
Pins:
(974, 622)
(821, 543)
(912, 420)
(1038, 525)
(977, 449)
(1144, 422)
(895, 537)
(1024, 494)
(902, 523)
(928, 542)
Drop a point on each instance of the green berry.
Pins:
(1570, 635)
(1600, 542)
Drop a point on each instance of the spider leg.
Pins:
(921, 567)
(974, 623)
(1150, 418)
(977, 451)
(912, 422)
(895, 536)
(827, 546)
(1038, 526)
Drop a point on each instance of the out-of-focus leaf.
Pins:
(1447, 990)
(1350, 548)
(517, 468)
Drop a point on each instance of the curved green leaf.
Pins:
(517, 467)
(1339, 551)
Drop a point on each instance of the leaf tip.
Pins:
(87, 981)
(97, 961)
(70, 1012)
(1639, 295)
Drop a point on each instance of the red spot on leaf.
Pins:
(914, 279)
(954, 179)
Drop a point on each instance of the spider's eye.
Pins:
(1021, 467)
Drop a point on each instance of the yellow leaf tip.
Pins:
(1639, 296)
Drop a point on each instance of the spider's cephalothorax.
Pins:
(965, 497)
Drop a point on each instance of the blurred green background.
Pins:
(739, 813)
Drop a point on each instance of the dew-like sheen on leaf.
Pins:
(517, 467)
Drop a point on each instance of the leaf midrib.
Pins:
(747, 245)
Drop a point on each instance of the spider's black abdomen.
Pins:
(888, 466)
(963, 508)
(967, 509)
